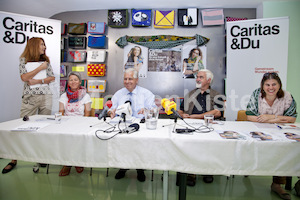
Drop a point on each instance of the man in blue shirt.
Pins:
(140, 98)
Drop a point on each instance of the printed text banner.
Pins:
(254, 47)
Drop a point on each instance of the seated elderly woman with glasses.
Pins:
(271, 104)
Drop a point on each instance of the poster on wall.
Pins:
(193, 59)
(164, 60)
(136, 56)
(254, 47)
(15, 30)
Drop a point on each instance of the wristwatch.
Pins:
(43, 81)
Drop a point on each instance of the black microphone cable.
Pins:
(200, 129)
(108, 130)
(111, 131)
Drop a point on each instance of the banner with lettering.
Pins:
(15, 30)
(254, 47)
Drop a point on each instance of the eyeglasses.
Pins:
(270, 74)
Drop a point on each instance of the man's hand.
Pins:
(186, 116)
(112, 113)
(141, 111)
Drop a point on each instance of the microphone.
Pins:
(131, 128)
(108, 105)
(124, 110)
(170, 107)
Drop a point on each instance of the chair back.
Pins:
(241, 115)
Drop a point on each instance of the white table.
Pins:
(73, 142)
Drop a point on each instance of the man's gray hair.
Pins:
(209, 74)
(75, 74)
(132, 70)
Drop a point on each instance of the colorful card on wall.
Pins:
(63, 86)
(63, 71)
(64, 43)
(96, 28)
(84, 83)
(188, 17)
(164, 19)
(96, 86)
(97, 42)
(96, 56)
(97, 103)
(141, 17)
(76, 56)
(232, 19)
(211, 17)
(118, 18)
(96, 69)
(78, 68)
(77, 29)
(63, 56)
(63, 29)
(77, 42)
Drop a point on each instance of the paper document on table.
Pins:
(231, 135)
(30, 66)
(292, 136)
(30, 127)
(265, 125)
(287, 126)
(261, 136)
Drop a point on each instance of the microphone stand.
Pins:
(96, 124)
(175, 123)
(104, 120)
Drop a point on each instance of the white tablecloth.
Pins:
(73, 142)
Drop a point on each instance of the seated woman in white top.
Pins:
(74, 102)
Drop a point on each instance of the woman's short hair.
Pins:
(132, 70)
(75, 74)
(268, 76)
(209, 74)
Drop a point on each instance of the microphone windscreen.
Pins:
(108, 104)
(135, 126)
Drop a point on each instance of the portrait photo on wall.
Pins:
(164, 60)
(136, 56)
(194, 59)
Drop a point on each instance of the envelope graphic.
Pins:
(164, 19)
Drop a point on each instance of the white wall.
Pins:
(15, 29)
